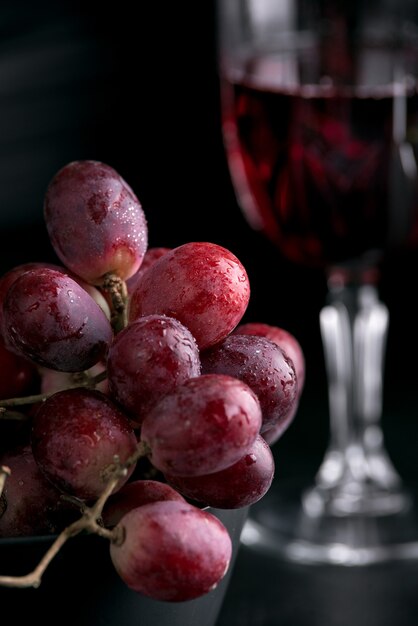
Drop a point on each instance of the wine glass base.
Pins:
(280, 525)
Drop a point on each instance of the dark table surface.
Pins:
(268, 592)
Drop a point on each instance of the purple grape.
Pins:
(239, 485)
(76, 435)
(203, 426)
(263, 366)
(172, 551)
(201, 284)
(31, 504)
(151, 255)
(50, 319)
(134, 494)
(6, 281)
(285, 340)
(148, 359)
(95, 222)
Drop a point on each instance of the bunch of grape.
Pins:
(125, 348)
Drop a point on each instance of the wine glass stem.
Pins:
(356, 474)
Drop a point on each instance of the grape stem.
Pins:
(12, 415)
(89, 522)
(89, 381)
(118, 291)
(4, 473)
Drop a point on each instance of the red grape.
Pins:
(32, 505)
(151, 255)
(148, 359)
(285, 340)
(76, 435)
(239, 485)
(172, 551)
(50, 319)
(8, 279)
(263, 366)
(95, 222)
(201, 284)
(203, 426)
(135, 494)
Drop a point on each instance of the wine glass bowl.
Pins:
(320, 125)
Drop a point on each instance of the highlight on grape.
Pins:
(133, 395)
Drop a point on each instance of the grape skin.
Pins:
(9, 277)
(239, 485)
(134, 494)
(284, 339)
(33, 504)
(151, 255)
(50, 319)
(263, 366)
(203, 426)
(201, 284)
(172, 551)
(148, 359)
(95, 221)
(75, 436)
(7, 280)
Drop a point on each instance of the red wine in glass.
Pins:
(313, 165)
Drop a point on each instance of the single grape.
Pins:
(76, 436)
(151, 255)
(50, 319)
(172, 551)
(239, 485)
(201, 284)
(134, 494)
(148, 359)
(7, 279)
(263, 366)
(95, 222)
(203, 426)
(31, 505)
(285, 340)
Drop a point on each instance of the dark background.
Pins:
(138, 89)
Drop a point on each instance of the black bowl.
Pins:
(82, 588)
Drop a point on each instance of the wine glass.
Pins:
(320, 120)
